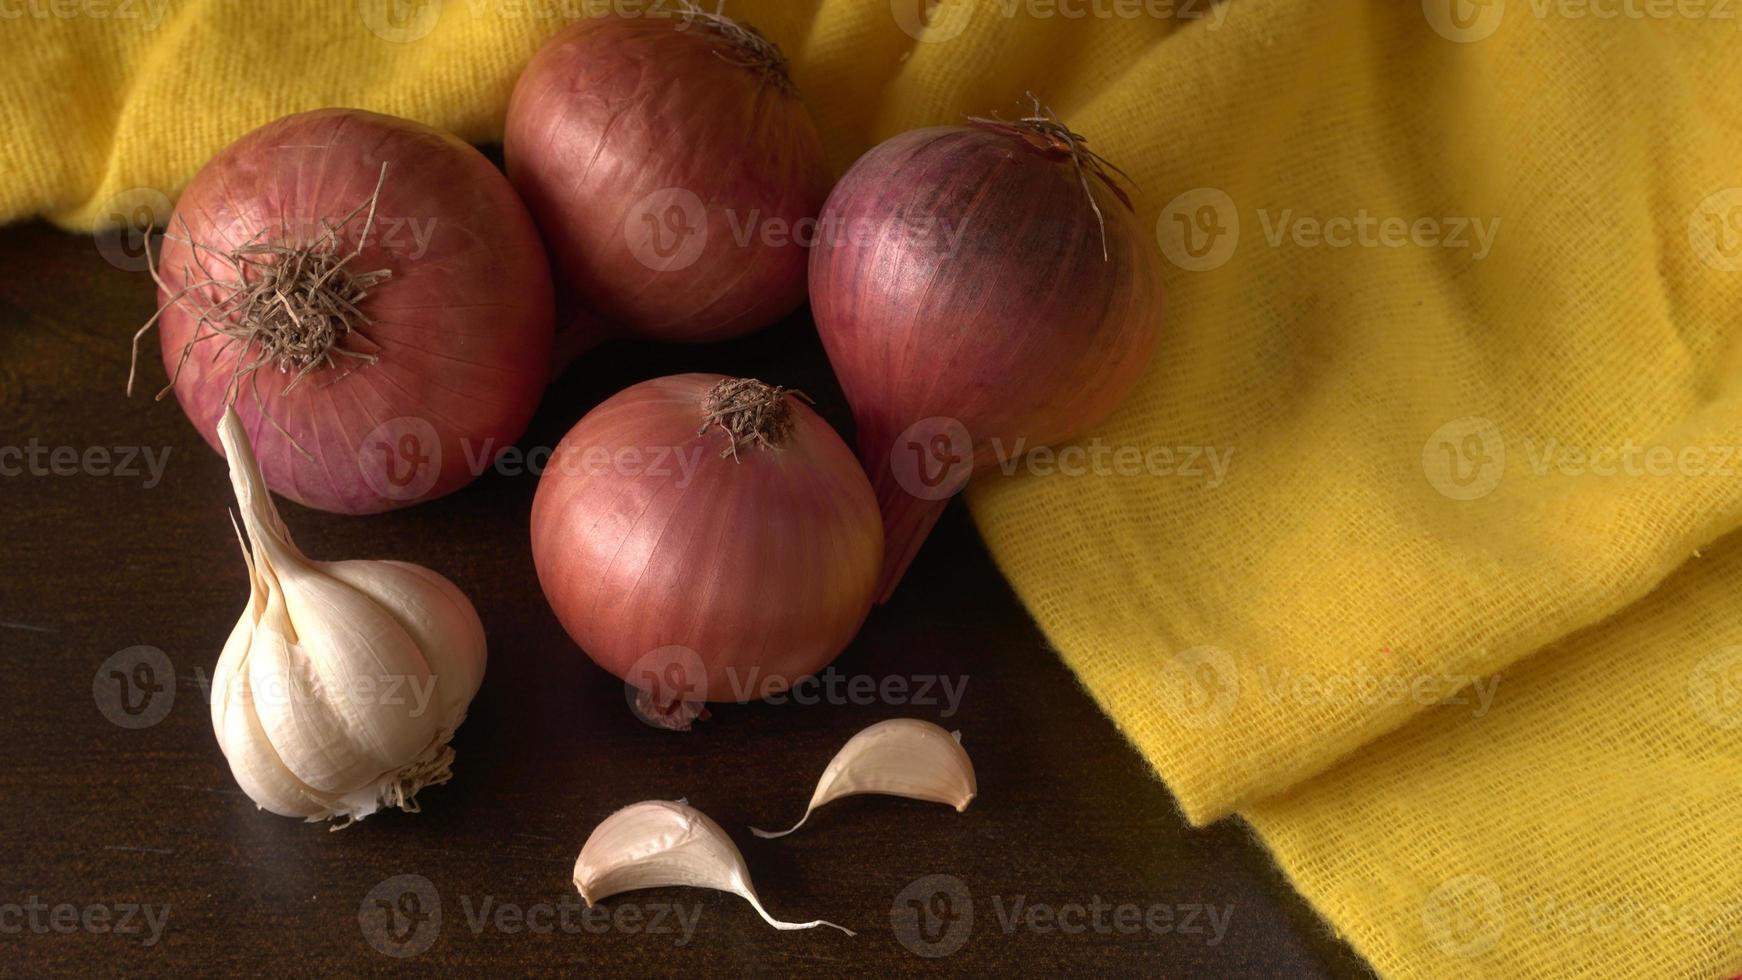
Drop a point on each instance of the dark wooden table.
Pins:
(101, 822)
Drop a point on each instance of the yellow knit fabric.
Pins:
(1411, 547)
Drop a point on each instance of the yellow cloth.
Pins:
(1456, 365)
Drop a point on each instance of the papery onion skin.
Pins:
(764, 566)
(629, 135)
(463, 329)
(959, 275)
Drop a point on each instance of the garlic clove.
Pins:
(322, 703)
(253, 763)
(439, 618)
(899, 757)
(660, 843)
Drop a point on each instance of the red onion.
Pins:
(673, 171)
(415, 331)
(975, 286)
(711, 526)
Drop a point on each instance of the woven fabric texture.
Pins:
(1411, 548)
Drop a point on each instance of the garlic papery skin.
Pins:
(660, 843)
(899, 757)
(342, 683)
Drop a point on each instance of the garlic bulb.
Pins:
(899, 757)
(659, 843)
(342, 683)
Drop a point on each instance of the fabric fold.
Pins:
(1444, 414)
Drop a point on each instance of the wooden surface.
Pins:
(94, 815)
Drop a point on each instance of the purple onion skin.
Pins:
(462, 330)
(958, 272)
(645, 537)
(614, 111)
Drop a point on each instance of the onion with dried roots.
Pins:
(674, 173)
(370, 295)
(978, 288)
(706, 539)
